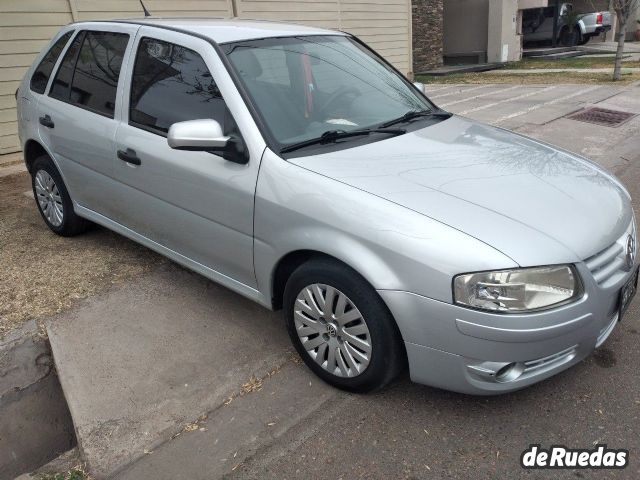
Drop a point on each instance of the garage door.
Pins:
(27, 25)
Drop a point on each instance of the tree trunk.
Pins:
(622, 23)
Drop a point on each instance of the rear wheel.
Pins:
(570, 37)
(341, 327)
(53, 200)
(583, 39)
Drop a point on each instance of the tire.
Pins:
(569, 38)
(366, 321)
(583, 39)
(53, 200)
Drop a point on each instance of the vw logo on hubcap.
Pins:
(631, 251)
(331, 330)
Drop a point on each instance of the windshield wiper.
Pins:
(412, 114)
(331, 136)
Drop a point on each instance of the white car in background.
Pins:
(573, 28)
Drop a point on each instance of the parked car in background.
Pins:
(298, 168)
(573, 28)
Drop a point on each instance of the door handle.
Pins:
(47, 122)
(129, 156)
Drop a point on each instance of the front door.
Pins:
(196, 204)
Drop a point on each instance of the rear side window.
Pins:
(172, 84)
(93, 74)
(42, 73)
(95, 80)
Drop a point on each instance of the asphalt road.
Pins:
(284, 423)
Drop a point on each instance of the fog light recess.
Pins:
(510, 372)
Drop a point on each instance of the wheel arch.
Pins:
(582, 27)
(287, 264)
(362, 261)
(32, 150)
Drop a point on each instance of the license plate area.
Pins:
(627, 293)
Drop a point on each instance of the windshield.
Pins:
(305, 86)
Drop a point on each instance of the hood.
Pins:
(534, 203)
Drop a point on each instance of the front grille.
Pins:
(609, 265)
(606, 264)
(533, 366)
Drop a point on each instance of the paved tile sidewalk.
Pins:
(526, 71)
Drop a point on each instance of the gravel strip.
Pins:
(42, 273)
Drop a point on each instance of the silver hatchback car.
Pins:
(298, 168)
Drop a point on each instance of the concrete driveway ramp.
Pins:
(140, 363)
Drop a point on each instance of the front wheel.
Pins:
(341, 327)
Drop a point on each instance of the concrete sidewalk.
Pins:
(609, 47)
(143, 362)
(291, 399)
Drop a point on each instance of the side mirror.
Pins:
(200, 135)
(419, 86)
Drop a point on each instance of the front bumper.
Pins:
(464, 350)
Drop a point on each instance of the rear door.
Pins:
(196, 204)
(77, 114)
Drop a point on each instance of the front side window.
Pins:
(41, 75)
(172, 84)
(88, 76)
(305, 86)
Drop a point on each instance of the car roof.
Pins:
(223, 30)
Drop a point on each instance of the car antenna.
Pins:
(144, 9)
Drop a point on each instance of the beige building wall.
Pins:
(524, 4)
(26, 26)
(385, 25)
(466, 28)
(504, 42)
(478, 31)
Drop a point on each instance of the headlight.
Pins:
(517, 290)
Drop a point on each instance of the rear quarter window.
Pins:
(62, 80)
(41, 75)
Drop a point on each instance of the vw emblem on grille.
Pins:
(630, 256)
